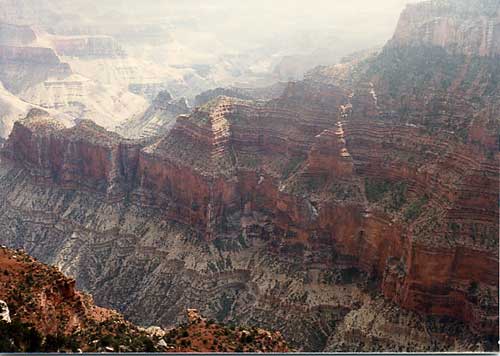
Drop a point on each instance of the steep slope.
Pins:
(47, 313)
(157, 119)
(23, 67)
(42, 311)
(12, 109)
(85, 99)
(461, 27)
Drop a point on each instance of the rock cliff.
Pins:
(300, 177)
(158, 119)
(22, 67)
(14, 35)
(461, 27)
(88, 47)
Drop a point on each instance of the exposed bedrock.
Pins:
(418, 214)
(88, 47)
(23, 67)
(14, 35)
(462, 27)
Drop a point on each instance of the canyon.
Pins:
(107, 62)
(353, 210)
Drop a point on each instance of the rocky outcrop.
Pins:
(4, 312)
(266, 93)
(88, 47)
(22, 67)
(202, 335)
(158, 119)
(43, 298)
(14, 35)
(461, 27)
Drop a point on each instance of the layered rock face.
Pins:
(157, 119)
(359, 216)
(14, 35)
(300, 183)
(22, 67)
(462, 27)
(88, 47)
(265, 93)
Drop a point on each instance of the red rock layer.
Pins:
(44, 297)
(292, 170)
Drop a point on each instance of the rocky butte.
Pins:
(358, 211)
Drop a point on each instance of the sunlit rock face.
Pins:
(4, 312)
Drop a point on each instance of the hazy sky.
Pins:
(263, 20)
(268, 16)
(253, 19)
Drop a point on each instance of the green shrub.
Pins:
(414, 210)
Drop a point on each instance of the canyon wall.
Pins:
(84, 47)
(462, 27)
(14, 35)
(22, 67)
(300, 213)
(337, 188)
